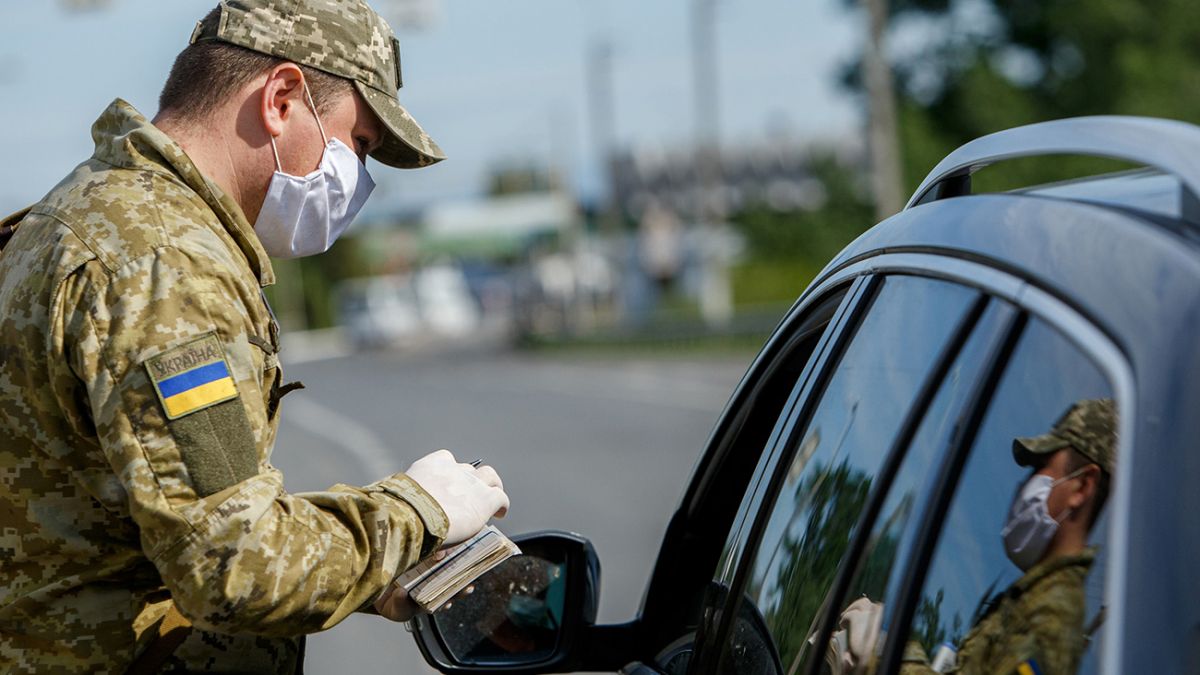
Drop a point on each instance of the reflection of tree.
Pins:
(828, 504)
(927, 623)
(881, 549)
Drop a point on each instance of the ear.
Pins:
(282, 92)
(1089, 479)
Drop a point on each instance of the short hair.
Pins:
(207, 73)
(1077, 461)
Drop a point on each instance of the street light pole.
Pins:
(706, 99)
(716, 296)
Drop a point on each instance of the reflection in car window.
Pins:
(856, 639)
(840, 452)
(1013, 585)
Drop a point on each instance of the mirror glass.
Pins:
(512, 614)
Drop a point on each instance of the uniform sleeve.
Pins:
(1051, 640)
(161, 349)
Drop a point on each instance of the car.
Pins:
(869, 449)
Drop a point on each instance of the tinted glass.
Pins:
(891, 539)
(979, 609)
(826, 483)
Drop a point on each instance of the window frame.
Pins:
(1027, 301)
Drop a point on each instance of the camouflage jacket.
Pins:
(1035, 626)
(139, 394)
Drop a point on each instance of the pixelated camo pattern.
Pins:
(101, 525)
(1089, 426)
(1040, 618)
(342, 37)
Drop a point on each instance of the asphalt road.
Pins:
(602, 446)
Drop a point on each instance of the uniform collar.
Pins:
(1040, 571)
(126, 139)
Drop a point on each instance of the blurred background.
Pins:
(635, 194)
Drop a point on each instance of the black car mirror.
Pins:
(527, 615)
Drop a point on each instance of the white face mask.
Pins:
(304, 215)
(1030, 527)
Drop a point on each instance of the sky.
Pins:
(495, 82)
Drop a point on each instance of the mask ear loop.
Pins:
(1065, 478)
(274, 149)
(313, 106)
(320, 127)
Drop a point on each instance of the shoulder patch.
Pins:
(1029, 667)
(192, 377)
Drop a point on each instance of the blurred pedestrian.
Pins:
(142, 526)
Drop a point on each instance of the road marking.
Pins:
(350, 435)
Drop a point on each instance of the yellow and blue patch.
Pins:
(1029, 667)
(192, 377)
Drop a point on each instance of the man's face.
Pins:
(349, 120)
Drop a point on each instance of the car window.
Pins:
(1015, 581)
(824, 484)
(892, 536)
(761, 412)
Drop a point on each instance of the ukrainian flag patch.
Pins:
(192, 377)
(1029, 667)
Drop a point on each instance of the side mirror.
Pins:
(526, 616)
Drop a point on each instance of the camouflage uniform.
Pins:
(1038, 619)
(139, 401)
(133, 267)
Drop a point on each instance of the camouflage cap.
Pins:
(341, 37)
(1088, 426)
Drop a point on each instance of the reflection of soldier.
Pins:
(1037, 624)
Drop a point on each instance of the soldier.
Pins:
(1037, 624)
(142, 526)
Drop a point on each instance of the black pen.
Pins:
(476, 463)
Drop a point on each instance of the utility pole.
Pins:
(882, 129)
(706, 100)
(716, 295)
(603, 119)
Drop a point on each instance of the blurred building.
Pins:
(775, 175)
(499, 227)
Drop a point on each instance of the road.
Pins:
(599, 445)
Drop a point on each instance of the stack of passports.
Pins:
(433, 582)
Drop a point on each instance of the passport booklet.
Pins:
(432, 583)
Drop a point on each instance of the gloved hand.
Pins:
(860, 622)
(470, 496)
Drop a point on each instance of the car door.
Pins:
(846, 534)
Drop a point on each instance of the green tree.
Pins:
(987, 65)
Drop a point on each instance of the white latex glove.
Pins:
(470, 496)
(861, 622)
